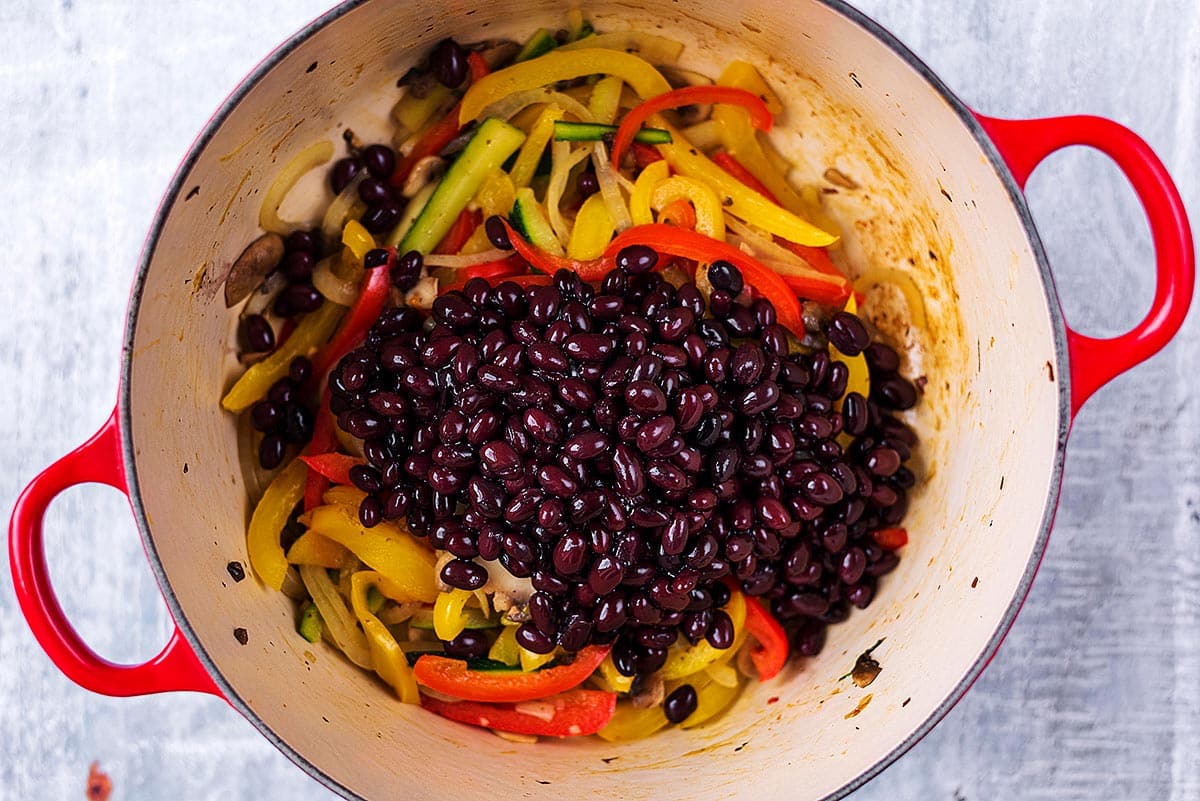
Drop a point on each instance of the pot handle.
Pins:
(174, 668)
(1023, 144)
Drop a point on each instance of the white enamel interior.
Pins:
(929, 203)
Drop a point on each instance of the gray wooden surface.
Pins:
(1095, 694)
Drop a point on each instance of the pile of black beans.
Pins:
(384, 203)
(631, 450)
(283, 417)
(298, 296)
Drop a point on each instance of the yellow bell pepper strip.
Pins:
(860, 377)
(548, 263)
(711, 701)
(710, 216)
(722, 673)
(740, 200)
(267, 522)
(452, 677)
(667, 239)
(630, 723)
(386, 654)
(531, 661)
(771, 652)
(376, 287)
(632, 122)
(592, 230)
(412, 112)
(385, 548)
(348, 496)
(606, 99)
(535, 144)
(448, 620)
(617, 682)
(569, 714)
(311, 548)
(684, 659)
(505, 648)
(744, 75)
(358, 239)
(643, 191)
(559, 65)
(311, 333)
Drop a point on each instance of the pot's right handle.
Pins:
(176, 667)
(1094, 362)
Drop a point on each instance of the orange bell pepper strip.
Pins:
(333, 466)
(771, 652)
(760, 115)
(672, 241)
(570, 714)
(679, 213)
(890, 538)
(452, 677)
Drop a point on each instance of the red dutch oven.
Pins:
(933, 205)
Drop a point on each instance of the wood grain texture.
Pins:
(1095, 693)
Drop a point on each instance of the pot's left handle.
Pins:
(174, 668)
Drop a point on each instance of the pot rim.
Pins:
(868, 25)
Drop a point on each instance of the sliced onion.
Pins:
(459, 261)
(293, 587)
(339, 210)
(606, 176)
(423, 294)
(562, 161)
(391, 614)
(310, 157)
(333, 288)
(508, 107)
(262, 298)
(340, 624)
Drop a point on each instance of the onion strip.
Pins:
(307, 159)
(262, 298)
(459, 261)
(339, 210)
(340, 624)
(333, 288)
(508, 107)
(562, 160)
(610, 189)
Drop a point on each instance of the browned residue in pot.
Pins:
(853, 713)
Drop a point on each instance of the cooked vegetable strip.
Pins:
(310, 334)
(311, 548)
(610, 188)
(386, 548)
(691, 245)
(592, 230)
(740, 200)
(535, 144)
(630, 723)
(685, 660)
(594, 131)
(771, 652)
(340, 624)
(452, 677)
(860, 377)
(307, 159)
(605, 101)
(376, 286)
(709, 216)
(643, 190)
(563, 161)
(333, 466)
(448, 619)
(569, 714)
(386, 655)
(270, 516)
(561, 65)
(491, 144)
(590, 270)
(632, 122)
(713, 699)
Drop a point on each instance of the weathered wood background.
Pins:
(1095, 694)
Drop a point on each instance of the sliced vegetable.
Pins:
(592, 231)
(464, 225)
(771, 652)
(531, 221)
(452, 677)
(309, 626)
(643, 190)
(376, 287)
(541, 42)
(307, 159)
(548, 263)
(562, 64)
(323, 441)
(687, 96)
(704, 207)
(606, 99)
(266, 524)
(653, 48)
(358, 239)
(569, 714)
(505, 648)
(630, 723)
(471, 618)
(644, 155)
(684, 659)
(711, 701)
(448, 619)
(386, 655)
(678, 213)
(594, 131)
(745, 75)
(311, 333)
(493, 142)
(340, 624)
(860, 377)
(411, 212)
(412, 112)
(530, 155)
(531, 661)
(333, 466)
(617, 682)
(890, 539)
(394, 553)
(311, 548)
(691, 245)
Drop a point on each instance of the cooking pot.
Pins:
(925, 191)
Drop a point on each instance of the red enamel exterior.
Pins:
(1094, 362)
(97, 461)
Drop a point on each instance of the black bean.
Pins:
(380, 160)
(469, 644)
(680, 704)
(464, 575)
(343, 172)
(636, 259)
(448, 62)
(882, 358)
(723, 275)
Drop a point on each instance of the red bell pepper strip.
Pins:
(323, 441)
(669, 240)
(460, 232)
(451, 677)
(592, 270)
(285, 331)
(575, 713)
(815, 288)
(491, 271)
(644, 155)
(817, 258)
(333, 466)
(890, 538)
(376, 286)
(771, 652)
(532, 279)
(436, 137)
(760, 115)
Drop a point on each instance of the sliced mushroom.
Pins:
(418, 80)
(258, 259)
(648, 692)
(497, 53)
(425, 171)
(677, 77)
